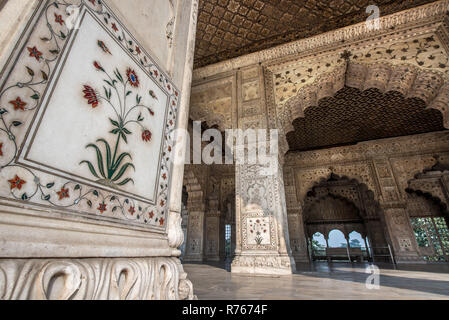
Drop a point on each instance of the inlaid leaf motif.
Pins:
(110, 170)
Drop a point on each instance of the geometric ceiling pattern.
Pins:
(231, 28)
(352, 116)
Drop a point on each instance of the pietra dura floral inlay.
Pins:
(111, 167)
(86, 118)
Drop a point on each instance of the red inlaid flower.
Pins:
(162, 221)
(162, 203)
(132, 210)
(176, 93)
(132, 77)
(64, 193)
(171, 122)
(58, 19)
(169, 148)
(102, 208)
(138, 50)
(16, 183)
(164, 176)
(169, 87)
(92, 1)
(103, 47)
(1, 147)
(156, 73)
(146, 136)
(91, 96)
(98, 66)
(114, 27)
(151, 215)
(18, 104)
(35, 53)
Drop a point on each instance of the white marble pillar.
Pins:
(262, 229)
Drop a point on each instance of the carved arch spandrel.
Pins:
(343, 188)
(358, 173)
(429, 183)
(410, 81)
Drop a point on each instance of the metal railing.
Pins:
(369, 253)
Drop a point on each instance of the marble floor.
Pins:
(336, 281)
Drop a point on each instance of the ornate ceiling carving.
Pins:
(352, 116)
(232, 28)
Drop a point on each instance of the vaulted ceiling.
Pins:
(231, 28)
(353, 116)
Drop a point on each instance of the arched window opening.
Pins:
(356, 240)
(318, 245)
(337, 239)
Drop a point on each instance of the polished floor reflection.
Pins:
(336, 281)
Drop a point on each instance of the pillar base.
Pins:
(94, 279)
(263, 264)
(413, 259)
(304, 258)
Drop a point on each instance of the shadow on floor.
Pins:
(401, 277)
(334, 271)
(224, 265)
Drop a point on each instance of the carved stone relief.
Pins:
(250, 91)
(94, 279)
(212, 103)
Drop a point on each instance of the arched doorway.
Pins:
(341, 218)
(361, 103)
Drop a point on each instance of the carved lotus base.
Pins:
(263, 264)
(94, 279)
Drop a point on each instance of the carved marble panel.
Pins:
(250, 91)
(259, 231)
(86, 118)
(212, 103)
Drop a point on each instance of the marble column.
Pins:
(195, 236)
(296, 228)
(394, 215)
(262, 240)
(262, 228)
(72, 239)
(212, 234)
(401, 233)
